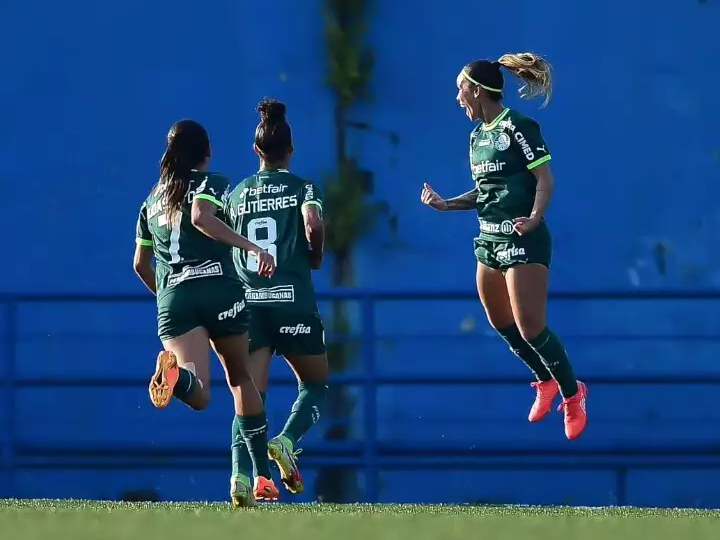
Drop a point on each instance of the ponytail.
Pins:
(273, 136)
(175, 168)
(188, 146)
(533, 70)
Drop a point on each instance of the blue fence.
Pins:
(371, 455)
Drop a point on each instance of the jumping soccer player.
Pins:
(509, 161)
(200, 299)
(282, 213)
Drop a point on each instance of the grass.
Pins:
(81, 520)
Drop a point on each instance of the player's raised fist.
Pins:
(432, 199)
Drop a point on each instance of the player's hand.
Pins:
(432, 199)
(525, 225)
(266, 262)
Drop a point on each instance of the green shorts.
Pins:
(215, 303)
(286, 332)
(535, 248)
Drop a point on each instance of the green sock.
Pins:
(254, 430)
(555, 358)
(525, 352)
(242, 464)
(187, 381)
(305, 411)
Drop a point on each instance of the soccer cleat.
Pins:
(241, 492)
(546, 392)
(164, 380)
(265, 489)
(280, 452)
(575, 412)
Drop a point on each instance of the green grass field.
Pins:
(80, 520)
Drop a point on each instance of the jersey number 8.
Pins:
(266, 229)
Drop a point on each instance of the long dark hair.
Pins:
(188, 146)
(273, 136)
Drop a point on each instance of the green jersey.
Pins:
(266, 208)
(181, 251)
(502, 156)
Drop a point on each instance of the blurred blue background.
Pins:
(90, 89)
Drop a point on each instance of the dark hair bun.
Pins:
(272, 111)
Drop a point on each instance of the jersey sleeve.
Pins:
(530, 144)
(214, 188)
(142, 229)
(311, 194)
(230, 205)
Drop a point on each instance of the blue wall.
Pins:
(91, 88)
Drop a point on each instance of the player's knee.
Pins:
(499, 320)
(530, 327)
(238, 377)
(316, 392)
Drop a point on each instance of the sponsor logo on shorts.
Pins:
(506, 227)
(295, 330)
(510, 253)
(281, 293)
(207, 269)
(232, 312)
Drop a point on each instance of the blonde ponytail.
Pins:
(533, 70)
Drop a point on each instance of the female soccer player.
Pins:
(509, 161)
(283, 214)
(200, 299)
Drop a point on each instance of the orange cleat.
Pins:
(265, 489)
(546, 392)
(164, 380)
(575, 412)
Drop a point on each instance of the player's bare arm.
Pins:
(543, 191)
(315, 233)
(466, 201)
(204, 219)
(142, 263)
(543, 194)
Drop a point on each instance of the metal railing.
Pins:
(369, 454)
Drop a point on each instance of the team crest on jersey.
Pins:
(502, 142)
